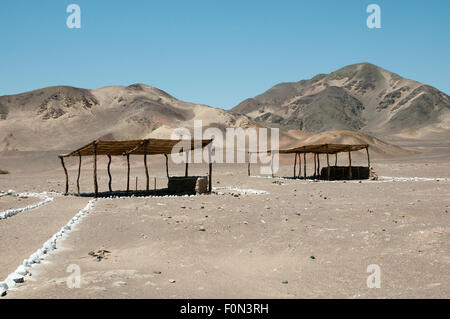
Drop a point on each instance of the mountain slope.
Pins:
(65, 117)
(360, 97)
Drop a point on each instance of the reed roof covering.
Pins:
(137, 147)
(325, 148)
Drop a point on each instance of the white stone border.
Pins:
(12, 212)
(242, 191)
(381, 179)
(18, 276)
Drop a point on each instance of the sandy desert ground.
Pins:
(294, 239)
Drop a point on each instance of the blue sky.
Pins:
(216, 52)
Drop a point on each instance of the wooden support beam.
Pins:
(315, 165)
(155, 184)
(128, 174)
(295, 165)
(210, 169)
(328, 166)
(304, 167)
(136, 183)
(147, 185)
(299, 165)
(79, 173)
(368, 156)
(335, 161)
(109, 173)
(350, 165)
(186, 172)
(318, 165)
(167, 165)
(65, 172)
(95, 170)
(271, 164)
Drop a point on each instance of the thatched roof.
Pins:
(325, 148)
(137, 147)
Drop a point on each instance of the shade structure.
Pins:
(317, 150)
(137, 147)
(134, 147)
(325, 148)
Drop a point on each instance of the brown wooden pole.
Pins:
(328, 163)
(248, 168)
(210, 170)
(295, 165)
(335, 161)
(167, 165)
(79, 173)
(109, 173)
(136, 183)
(350, 165)
(368, 156)
(128, 173)
(315, 164)
(299, 165)
(318, 165)
(65, 172)
(304, 167)
(147, 186)
(155, 183)
(95, 171)
(271, 165)
(186, 172)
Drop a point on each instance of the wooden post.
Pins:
(295, 165)
(65, 172)
(79, 173)
(315, 165)
(167, 166)
(271, 164)
(210, 169)
(95, 170)
(109, 173)
(350, 165)
(299, 165)
(155, 183)
(335, 161)
(186, 173)
(128, 174)
(318, 165)
(368, 156)
(136, 183)
(147, 186)
(328, 163)
(304, 167)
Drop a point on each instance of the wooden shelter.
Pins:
(317, 150)
(134, 147)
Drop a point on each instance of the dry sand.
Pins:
(320, 237)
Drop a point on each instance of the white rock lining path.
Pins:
(12, 212)
(18, 276)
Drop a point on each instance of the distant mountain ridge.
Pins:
(360, 97)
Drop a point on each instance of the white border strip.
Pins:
(12, 212)
(18, 276)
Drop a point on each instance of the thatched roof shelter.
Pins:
(317, 150)
(133, 147)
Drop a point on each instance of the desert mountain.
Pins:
(360, 97)
(62, 117)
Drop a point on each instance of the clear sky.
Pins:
(216, 52)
